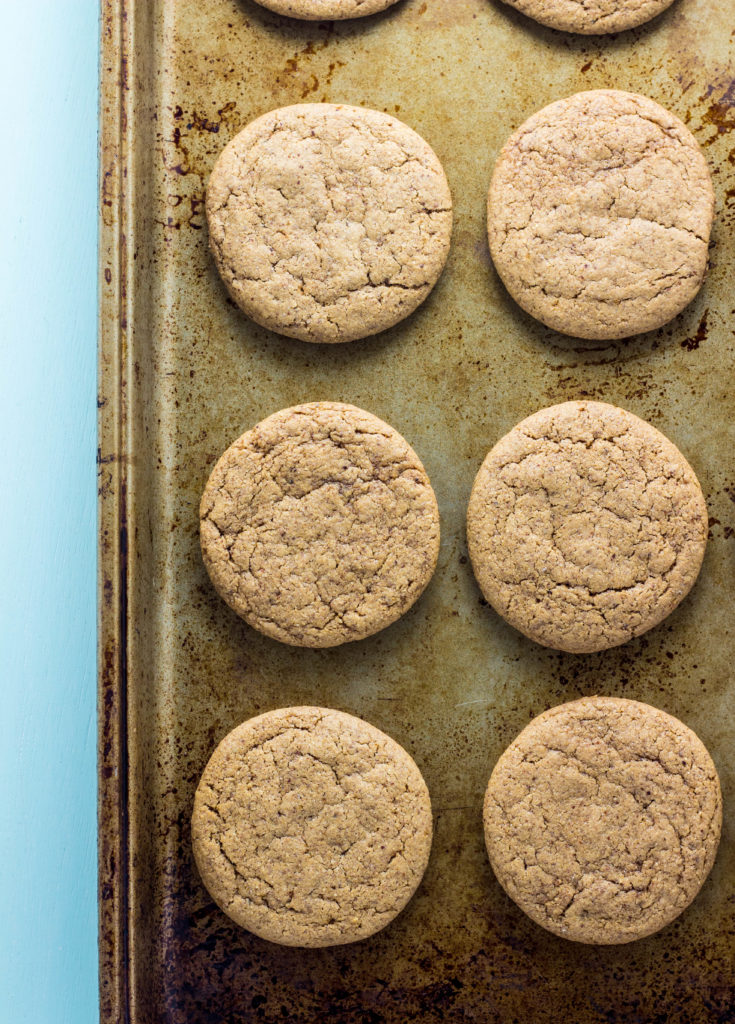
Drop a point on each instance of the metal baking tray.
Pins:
(183, 373)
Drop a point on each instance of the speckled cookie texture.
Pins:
(602, 819)
(586, 526)
(328, 223)
(599, 215)
(320, 525)
(591, 17)
(318, 10)
(311, 827)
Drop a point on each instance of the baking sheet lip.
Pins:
(112, 572)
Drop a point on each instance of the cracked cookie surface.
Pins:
(602, 819)
(318, 10)
(320, 526)
(599, 215)
(311, 827)
(328, 223)
(591, 17)
(585, 526)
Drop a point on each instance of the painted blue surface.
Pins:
(48, 81)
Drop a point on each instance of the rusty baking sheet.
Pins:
(183, 373)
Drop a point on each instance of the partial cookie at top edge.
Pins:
(597, 18)
(311, 827)
(586, 526)
(328, 223)
(319, 526)
(599, 215)
(319, 10)
(602, 819)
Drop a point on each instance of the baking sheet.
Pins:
(183, 373)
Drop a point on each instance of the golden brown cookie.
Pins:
(332, 10)
(319, 525)
(311, 827)
(599, 215)
(328, 223)
(586, 526)
(602, 819)
(597, 17)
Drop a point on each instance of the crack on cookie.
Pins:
(311, 810)
(318, 530)
(582, 852)
(593, 246)
(583, 542)
(352, 244)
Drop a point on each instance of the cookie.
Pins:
(602, 819)
(590, 19)
(320, 10)
(319, 525)
(311, 827)
(328, 223)
(599, 215)
(586, 526)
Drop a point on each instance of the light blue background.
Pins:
(48, 345)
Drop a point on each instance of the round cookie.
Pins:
(586, 526)
(591, 18)
(319, 525)
(599, 215)
(602, 819)
(311, 827)
(328, 223)
(332, 10)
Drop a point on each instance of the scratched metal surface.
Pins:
(183, 373)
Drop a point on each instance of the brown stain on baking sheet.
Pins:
(306, 80)
(720, 113)
(711, 114)
(194, 123)
(692, 343)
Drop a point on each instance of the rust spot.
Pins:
(225, 111)
(108, 275)
(720, 114)
(104, 460)
(311, 86)
(585, 67)
(195, 205)
(700, 335)
(332, 68)
(202, 124)
(292, 66)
